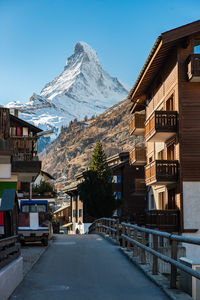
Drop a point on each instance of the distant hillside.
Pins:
(71, 152)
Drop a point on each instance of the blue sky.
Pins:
(37, 36)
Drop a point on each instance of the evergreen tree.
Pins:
(96, 191)
(99, 163)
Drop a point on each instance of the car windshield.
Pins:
(33, 208)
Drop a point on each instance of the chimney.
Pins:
(16, 112)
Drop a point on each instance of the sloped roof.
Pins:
(163, 45)
(61, 208)
(20, 122)
(47, 174)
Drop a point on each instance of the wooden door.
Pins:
(171, 199)
(170, 104)
(171, 152)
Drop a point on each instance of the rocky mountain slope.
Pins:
(71, 152)
(82, 89)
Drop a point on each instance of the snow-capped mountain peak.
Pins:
(82, 89)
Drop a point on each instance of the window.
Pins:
(119, 195)
(34, 208)
(119, 178)
(80, 213)
(197, 47)
(114, 179)
(152, 202)
(74, 213)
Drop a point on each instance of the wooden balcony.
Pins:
(137, 125)
(20, 166)
(193, 68)
(138, 156)
(164, 220)
(161, 126)
(161, 172)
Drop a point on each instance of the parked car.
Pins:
(34, 221)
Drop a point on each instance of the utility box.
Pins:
(190, 284)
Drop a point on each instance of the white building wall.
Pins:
(10, 278)
(5, 171)
(191, 215)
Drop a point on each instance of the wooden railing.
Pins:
(9, 250)
(137, 122)
(193, 67)
(164, 220)
(161, 171)
(138, 155)
(135, 239)
(24, 148)
(24, 156)
(161, 121)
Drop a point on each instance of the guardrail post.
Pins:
(123, 239)
(143, 252)
(135, 249)
(174, 248)
(96, 226)
(109, 230)
(117, 232)
(155, 258)
(100, 228)
(128, 242)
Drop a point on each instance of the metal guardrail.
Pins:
(9, 250)
(138, 237)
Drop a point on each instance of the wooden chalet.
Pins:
(18, 157)
(167, 93)
(63, 216)
(79, 216)
(129, 186)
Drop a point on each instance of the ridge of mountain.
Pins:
(82, 89)
(71, 152)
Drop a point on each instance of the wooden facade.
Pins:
(137, 155)
(129, 185)
(169, 89)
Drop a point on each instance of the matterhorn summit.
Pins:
(82, 89)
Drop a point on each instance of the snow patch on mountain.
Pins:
(82, 89)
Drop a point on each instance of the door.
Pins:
(171, 199)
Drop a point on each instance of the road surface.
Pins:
(85, 267)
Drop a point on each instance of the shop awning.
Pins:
(7, 202)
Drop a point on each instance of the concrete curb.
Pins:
(174, 294)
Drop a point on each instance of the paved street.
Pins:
(85, 267)
(31, 252)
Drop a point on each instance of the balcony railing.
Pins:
(26, 166)
(137, 125)
(21, 156)
(161, 171)
(193, 71)
(161, 126)
(138, 155)
(164, 220)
